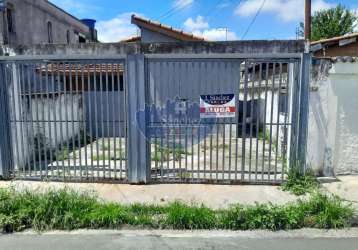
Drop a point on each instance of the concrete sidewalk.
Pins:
(345, 187)
(214, 196)
(162, 240)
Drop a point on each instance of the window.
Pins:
(49, 32)
(68, 37)
(10, 20)
(81, 39)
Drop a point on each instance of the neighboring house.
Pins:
(29, 22)
(152, 32)
(337, 46)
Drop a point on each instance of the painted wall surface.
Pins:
(30, 18)
(105, 113)
(333, 123)
(148, 36)
(49, 127)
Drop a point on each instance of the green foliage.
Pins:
(181, 216)
(65, 154)
(109, 157)
(298, 183)
(166, 153)
(69, 210)
(330, 23)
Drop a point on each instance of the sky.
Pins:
(212, 19)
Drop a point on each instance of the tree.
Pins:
(333, 22)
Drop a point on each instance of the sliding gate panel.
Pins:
(68, 119)
(247, 142)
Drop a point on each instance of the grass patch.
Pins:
(106, 157)
(65, 154)
(216, 147)
(70, 210)
(166, 153)
(300, 184)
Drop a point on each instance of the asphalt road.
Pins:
(158, 242)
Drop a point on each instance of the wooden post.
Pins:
(308, 20)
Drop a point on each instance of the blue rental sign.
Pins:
(217, 106)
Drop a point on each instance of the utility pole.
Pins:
(308, 20)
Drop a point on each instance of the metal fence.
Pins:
(138, 118)
(67, 119)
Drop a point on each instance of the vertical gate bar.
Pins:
(67, 116)
(258, 118)
(60, 94)
(168, 126)
(211, 151)
(173, 82)
(243, 161)
(31, 119)
(154, 69)
(198, 163)
(150, 123)
(252, 80)
(122, 108)
(186, 124)
(92, 85)
(79, 93)
(38, 99)
(271, 117)
(24, 138)
(18, 129)
(7, 161)
(113, 124)
(108, 124)
(138, 151)
(13, 117)
(224, 148)
(49, 123)
(217, 151)
(85, 91)
(265, 120)
(54, 88)
(98, 91)
(192, 150)
(161, 152)
(125, 118)
(180, 72)
(73, 148)
(160, 104)
(288, 87)
(197, 80)
(237, 119)
(100, 113)
(278, 120)
(204, 151)
(43, 119)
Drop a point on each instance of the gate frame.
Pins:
(141, 173)
(136, 81)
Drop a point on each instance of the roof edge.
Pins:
(164, 29)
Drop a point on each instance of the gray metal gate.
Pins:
(136, 118)
(67, 118)
(258, 145)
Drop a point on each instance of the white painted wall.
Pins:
(333, 120)
(49, 116)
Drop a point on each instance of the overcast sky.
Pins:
(213, 19)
